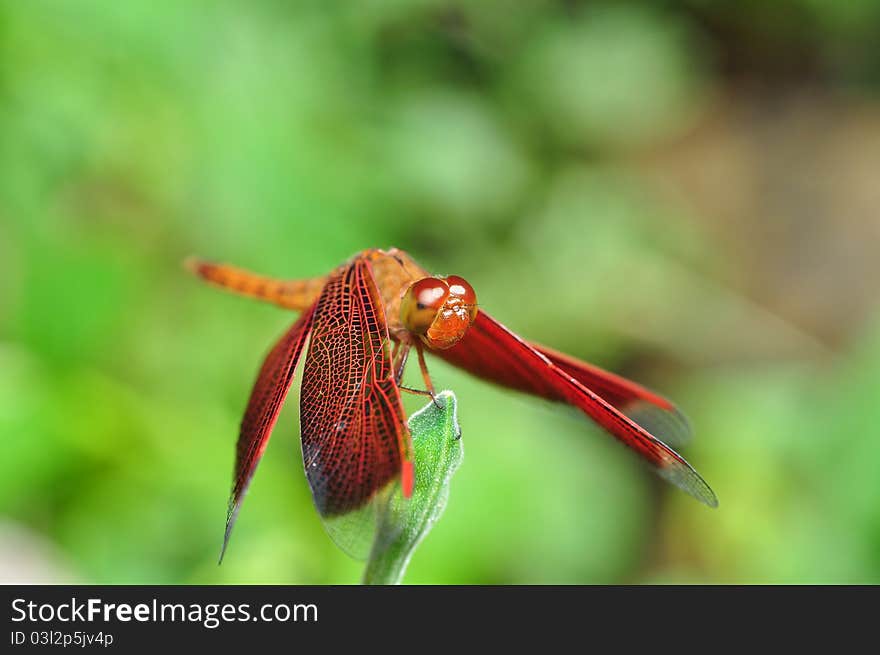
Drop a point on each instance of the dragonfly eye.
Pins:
(439, 310)
(422, 303)
(459, 288)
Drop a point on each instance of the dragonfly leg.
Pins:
(424, 367)
(298, 295)
(427, 378)
(422, 392)
(399, 355)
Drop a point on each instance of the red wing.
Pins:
(354, 435)
(652, 411)
(262, 411)
(491, 351)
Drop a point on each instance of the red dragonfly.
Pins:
(352, 423)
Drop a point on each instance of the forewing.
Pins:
(491, 351)
(354, 437)
(262, 411)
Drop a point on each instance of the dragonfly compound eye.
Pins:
(460, 289)
(421, 304)
(455, 316)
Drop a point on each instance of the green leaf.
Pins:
(403, 523)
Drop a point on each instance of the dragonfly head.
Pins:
(439, 310)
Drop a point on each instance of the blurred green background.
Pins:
(684, 192)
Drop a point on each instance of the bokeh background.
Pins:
(685, 192)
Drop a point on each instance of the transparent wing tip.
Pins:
(231, 515)
(683, 476)
(670, 426)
